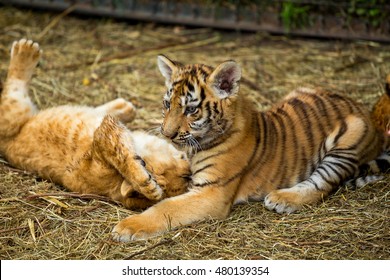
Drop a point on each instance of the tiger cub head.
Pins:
(199, 104)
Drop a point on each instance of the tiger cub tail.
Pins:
(380, 115)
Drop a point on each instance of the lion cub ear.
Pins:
(166, 67)
(225, 79)
(126, 188)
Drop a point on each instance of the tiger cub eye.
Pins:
(191, 110)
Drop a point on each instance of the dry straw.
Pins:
(91, 61)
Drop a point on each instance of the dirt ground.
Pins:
(94, 60)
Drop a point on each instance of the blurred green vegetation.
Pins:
(293, 14)
(369, 10)
(299, 13)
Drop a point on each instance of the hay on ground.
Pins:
(91, 61)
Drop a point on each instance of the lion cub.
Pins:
(87, 150)
(381, 113)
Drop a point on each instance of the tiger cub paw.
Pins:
(137, 227)
(25, 55)
(283, 201)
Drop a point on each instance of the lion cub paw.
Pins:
(124, 110)
(25, 55)
(150, 190)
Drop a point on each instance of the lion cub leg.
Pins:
(113, 144)
(119, 108)
(16, 108)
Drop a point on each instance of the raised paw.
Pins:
(283, 201)
(138, 227)
(150, 189)
(25, 55)
(144, 184)
(120, 108)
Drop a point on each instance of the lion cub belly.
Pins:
(53, 139)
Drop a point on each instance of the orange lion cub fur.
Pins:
(85, 149)
(381, 113)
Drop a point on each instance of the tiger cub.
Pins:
(87, 150)
(294, 154)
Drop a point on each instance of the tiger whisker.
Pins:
(197, 144)
(154, 130)
(193, 144)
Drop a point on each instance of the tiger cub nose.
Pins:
(169, 134)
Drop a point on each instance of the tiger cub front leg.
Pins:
(196, 205)
(113, 144)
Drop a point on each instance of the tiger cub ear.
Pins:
(166, 67)
(225, 79)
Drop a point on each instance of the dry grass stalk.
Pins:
(91, 61)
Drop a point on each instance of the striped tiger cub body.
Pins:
(294, 154)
